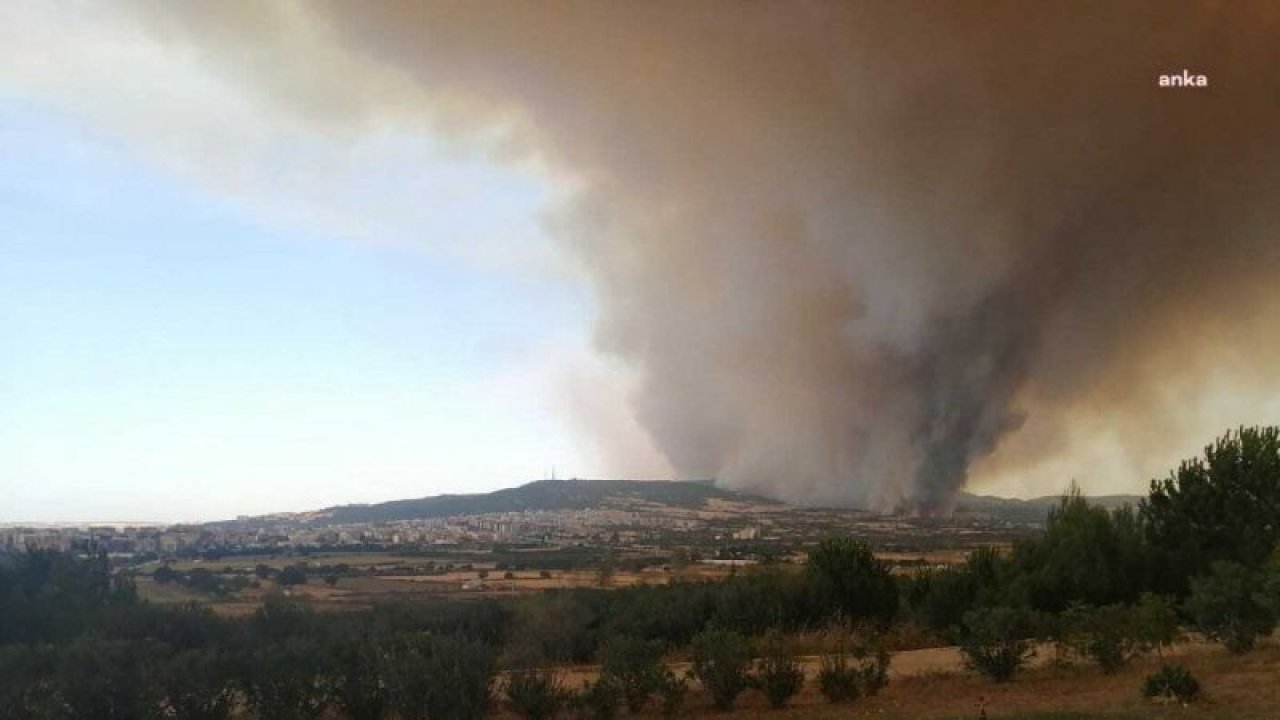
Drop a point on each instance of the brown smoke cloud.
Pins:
(854, 249)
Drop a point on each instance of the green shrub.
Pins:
(841, 679)
(671, 691)
(721, 663)
(635, 664)
(536, 694)
(441, 676)
(996, 641)
(599, 700)
(777, 674)
(838, 680)
(1106, 635)
(873, 672)
(1172, 682)
(285, 680)
(196, 685)
(1228, 606)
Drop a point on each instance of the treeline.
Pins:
(76, 642)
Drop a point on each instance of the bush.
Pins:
(995, 641)
(873, 672)
(284, 681)
(721, 662)
(28, 690)
(777, 673)
(196, 685)
(634, 663)
(671, 691)
(293, 575)
(1172, 682)
(599, 700)
(1155, 623)
(536, 694)
(1228, 606)
(1105, 635)
(837, 679)
(841, 679)
(441, 676)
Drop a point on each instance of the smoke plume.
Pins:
(852, 250)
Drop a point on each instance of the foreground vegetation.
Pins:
(1106, 587)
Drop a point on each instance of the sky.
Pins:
(261, 257)
(312, 320)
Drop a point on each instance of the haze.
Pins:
(274, 256)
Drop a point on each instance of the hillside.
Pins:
(653, 496)
(1033, 510)
(544, 495)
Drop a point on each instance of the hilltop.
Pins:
(572, 494)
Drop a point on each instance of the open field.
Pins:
(932, 684)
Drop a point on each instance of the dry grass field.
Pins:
(932, 685)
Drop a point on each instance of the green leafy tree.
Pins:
(1222, 507)
(855, 583)
(1229, 606)
(997, 641)
(1088, 555)
(722, 663)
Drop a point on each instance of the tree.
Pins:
(1088, 555)
(1229, 606)
(1224, 506)
(721, 662)
(854, 582)
(997, 641)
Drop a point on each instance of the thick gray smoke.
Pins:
(851, 248)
